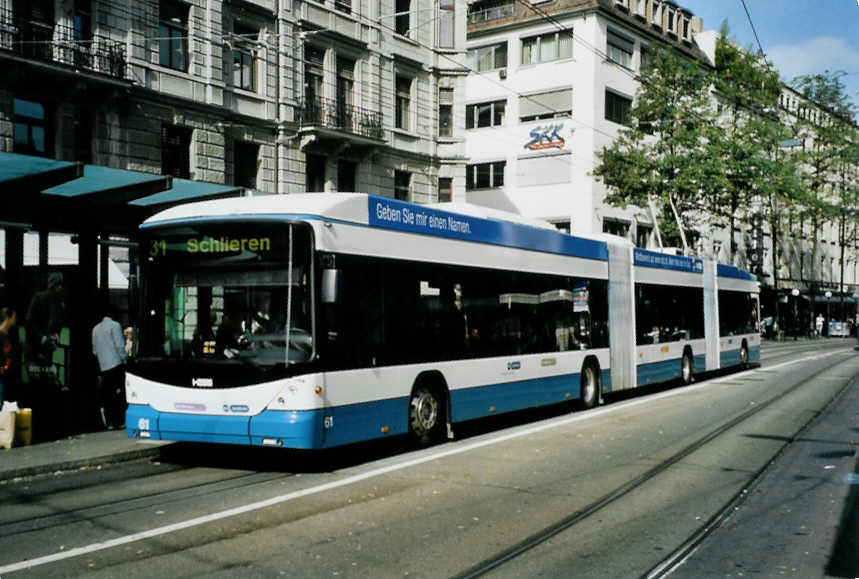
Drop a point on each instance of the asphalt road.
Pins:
(746, 473)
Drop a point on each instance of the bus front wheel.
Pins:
(426, 415)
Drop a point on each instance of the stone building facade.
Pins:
(274, 96)
(279, 96)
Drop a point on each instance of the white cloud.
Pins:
(813, 56)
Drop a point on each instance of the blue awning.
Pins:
(111, 185)
(35, 173)
(70, 196)
(836, 298)
(185, 190)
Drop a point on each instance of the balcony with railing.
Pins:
(58, 43)
(482, 12)
(336, 116)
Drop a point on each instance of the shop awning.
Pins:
(846, 298)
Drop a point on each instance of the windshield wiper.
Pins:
(242, 356)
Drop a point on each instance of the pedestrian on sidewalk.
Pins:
(108, 345)
(8, 319)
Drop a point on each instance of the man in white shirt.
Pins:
(108, 345)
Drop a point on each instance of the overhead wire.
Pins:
(197, 25)
(218, 35)
(754, 30)
(637, 77)
(763, 114)
(214, 36)
(490, 76)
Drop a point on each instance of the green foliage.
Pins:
(831, 158)
(711, 147)
(829, 154)
(754, 178)
(660, 155)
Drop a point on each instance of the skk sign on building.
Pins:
(546, 137)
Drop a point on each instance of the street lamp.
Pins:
(853, 313)
(795, 293)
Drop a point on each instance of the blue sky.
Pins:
(798, 36)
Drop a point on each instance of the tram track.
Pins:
(125, 506)
(216, 489)
(786, 349)
(667, 564)
(671, 562)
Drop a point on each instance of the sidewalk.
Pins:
(74, 452)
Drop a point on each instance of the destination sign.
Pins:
(209, 245)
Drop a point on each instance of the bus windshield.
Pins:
(228, 292)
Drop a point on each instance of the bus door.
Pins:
(621, 317)
(711, 315)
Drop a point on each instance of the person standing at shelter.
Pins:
(8, 319)
(46, 317)
(108, 345)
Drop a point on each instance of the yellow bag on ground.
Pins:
(24, 427)
(7, 428)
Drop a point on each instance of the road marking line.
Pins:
(436, 455)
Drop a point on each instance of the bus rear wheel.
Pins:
(590, 386)
(744, 356)
(426, 415)
(686, 368)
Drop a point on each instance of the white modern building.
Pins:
(551, 83)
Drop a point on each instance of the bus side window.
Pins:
(353, 324)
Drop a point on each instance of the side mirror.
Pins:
(331, 280)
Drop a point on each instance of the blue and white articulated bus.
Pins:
(315, 320)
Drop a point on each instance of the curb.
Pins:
(115, 458)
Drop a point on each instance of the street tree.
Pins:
(659, 158)
(847, 209)
(828, 132)
(742, 141)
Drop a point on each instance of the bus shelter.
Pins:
(835, 313)
(68, 247)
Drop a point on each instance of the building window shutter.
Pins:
(546, 104)
(446, 21)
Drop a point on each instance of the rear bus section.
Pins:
(658, 320)
(739, 315)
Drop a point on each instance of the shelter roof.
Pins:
(71, 196)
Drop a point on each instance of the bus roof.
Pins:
(350, 207)
(724, 270)
(460, 221)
